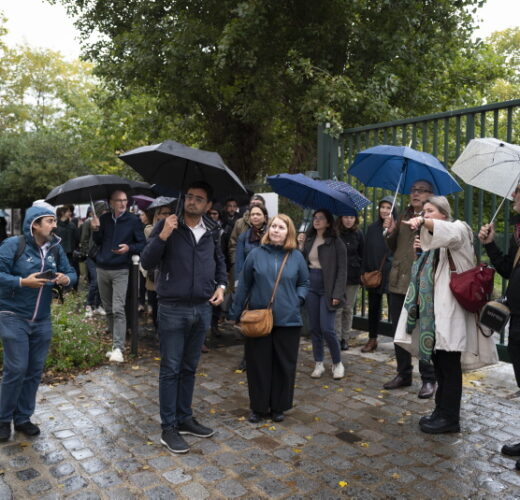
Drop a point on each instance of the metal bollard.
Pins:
(134, 314)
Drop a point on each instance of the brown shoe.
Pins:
(204, 349)
(398, 381)
(370, 346)
(427, 390)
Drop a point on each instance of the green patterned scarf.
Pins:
(419, 303)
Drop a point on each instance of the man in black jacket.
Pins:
(192, 278)
(508, 267)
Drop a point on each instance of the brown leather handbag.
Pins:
(259, 322)
(372, 279)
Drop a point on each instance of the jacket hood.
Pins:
(32, 214)
(389, 199)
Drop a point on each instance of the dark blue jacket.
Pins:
(244, 246)
(128, 229)
(30, 303)
(188, 271)
(257, 280)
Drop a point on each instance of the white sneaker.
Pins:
(116, 355)
(108, 354)
(338, 371)
(88, 312)
(319, 370)
(100, 311)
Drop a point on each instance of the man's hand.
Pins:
(123, 248)
(335, 302)
(94, 223)
(170, 224)
(62, 279)
(217, 298)
(32, 281)
(389, 224)
(487, 233)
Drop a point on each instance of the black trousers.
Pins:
(375, 302)
(402, 356)
(271, 369)
(513, 345)
(448, 371)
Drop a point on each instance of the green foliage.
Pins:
(252, 78)
(76, 342)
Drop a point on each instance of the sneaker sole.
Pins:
(172, 450)
(196, 435)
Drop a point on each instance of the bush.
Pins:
(77, 343)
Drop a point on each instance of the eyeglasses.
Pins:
(319, 217)
(419, 191)
(198, 199)
(121, 200)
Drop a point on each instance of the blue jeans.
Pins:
(182, 329)
(93, 298)
(26, 344)
(321, 319)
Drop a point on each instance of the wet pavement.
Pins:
(344, 439)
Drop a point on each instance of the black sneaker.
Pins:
(173, 441)
(28, 428)
(191, 426)
(5, 431)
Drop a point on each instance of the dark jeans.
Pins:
(513, 345)
(322, 321)
(26, 344)
(375, 303)
(182, 329)
(403, 357)
(448, 371)
(271, 369)
(93, 298)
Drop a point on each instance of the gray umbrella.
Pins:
(162, 201)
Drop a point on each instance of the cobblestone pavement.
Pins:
(344, 439)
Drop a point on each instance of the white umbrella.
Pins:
(491, 165)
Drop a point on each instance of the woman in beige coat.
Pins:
(440, 330)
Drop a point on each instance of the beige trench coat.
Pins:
(455, 328)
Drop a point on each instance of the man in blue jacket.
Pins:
(25, 306)
(119, 235)
(191, 279)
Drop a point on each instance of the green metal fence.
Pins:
(444, 135)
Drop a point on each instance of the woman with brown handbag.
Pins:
(376, 262)
(271, 359)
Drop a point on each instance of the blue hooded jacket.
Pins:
(257, 282)
(30, 303)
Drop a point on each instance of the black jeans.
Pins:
(403, 357)
(375, 302)
(448, 371)
(513, 345)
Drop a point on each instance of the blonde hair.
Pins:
(290, 240)
(442, 204)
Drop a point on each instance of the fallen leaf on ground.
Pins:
(297, 450)
(272, 428)
(395, 475)
(202, 374)
(239, 371)
(342, 484)
(213, 411)
(241, 419)
(146, 467)
(364, 444)
(317, 419)
(157, 359)
(325, 387)
(241, 382)
(358, 389)
(25, 444)
(135, 367)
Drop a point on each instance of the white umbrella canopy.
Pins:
(491, 165)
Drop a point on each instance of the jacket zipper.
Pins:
(41, 288)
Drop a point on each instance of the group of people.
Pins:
(191, 259)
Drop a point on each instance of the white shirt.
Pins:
(198, 230)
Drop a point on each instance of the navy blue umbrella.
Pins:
(338, 197)
(399, 167)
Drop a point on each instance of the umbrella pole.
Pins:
(395, 198)
(504, 199)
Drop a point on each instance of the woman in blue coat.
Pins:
(271, 360)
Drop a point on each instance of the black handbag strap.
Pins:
(286, 256)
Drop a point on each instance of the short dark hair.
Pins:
(262, 208)
(340, 228)
(230, 199)
(204, 186)
(257, 197)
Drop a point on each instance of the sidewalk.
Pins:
(343, 439)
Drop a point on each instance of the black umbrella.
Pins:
(177, 166)
(86, 188)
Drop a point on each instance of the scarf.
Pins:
(419, 303)
(256, 234)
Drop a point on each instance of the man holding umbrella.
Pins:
(119, 235)
(191, 279)
(399, 239)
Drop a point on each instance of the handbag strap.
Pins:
(383, 262)
(278, 280)
(452, 265)
(517, 257)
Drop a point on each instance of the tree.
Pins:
(252, 78)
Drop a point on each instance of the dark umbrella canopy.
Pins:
(177, 166)
(94, 187)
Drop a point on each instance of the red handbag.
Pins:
(472, 288)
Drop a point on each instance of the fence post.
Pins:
(134, 314)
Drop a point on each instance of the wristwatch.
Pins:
(222, 286)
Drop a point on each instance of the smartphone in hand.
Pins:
(46, 275)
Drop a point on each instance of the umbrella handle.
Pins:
(385, 232)
(504, 199)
